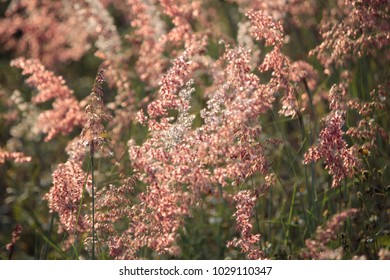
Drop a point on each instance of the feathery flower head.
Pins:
(340, 160)
(94, 133)
(66, 112)
(317, 247)
(14, 156)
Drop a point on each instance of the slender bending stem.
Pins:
(92, 151)
(308, 187)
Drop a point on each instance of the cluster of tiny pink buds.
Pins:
(94, 133)
(265, 27)
(317, 248)
(14, 156)
(284, 75)
(164, 162)
(149, 29)
(113, 205)
(340, 160)
(66, 112)
(351, 30)
(49, 85)
(45, 30)
(15, 237)
(367, 129)
(172, 81)
(65, 195)
(248, 242)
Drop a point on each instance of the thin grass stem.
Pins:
(92, 151)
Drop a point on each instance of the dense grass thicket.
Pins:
(158, 129)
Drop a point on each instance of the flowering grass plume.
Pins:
(66, 196)
(94, 134)
(317, 248)
(66, 112)
(354, 28)
(340, 160)
(15, 237)
(14, 156)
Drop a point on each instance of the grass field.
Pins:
(155, 129)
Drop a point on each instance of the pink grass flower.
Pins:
(66, 112)
(14, 156)
(340, 160)
(317, 247)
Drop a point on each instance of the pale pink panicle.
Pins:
(149, 29)
(66, 113)
(301, 70)
(65, 196)
(62, 119)
(175, 154)
(299, 13)
(352, 29)
(15, 237)
(341, 160)
(49, 85)
(113, 207)
(265, 27)
(163, 162)
(94, 134)
(172, 81)
(247, 242)
(14, 156)
(317, 247)
(367, 129)
(283, 72)
(46, 30)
